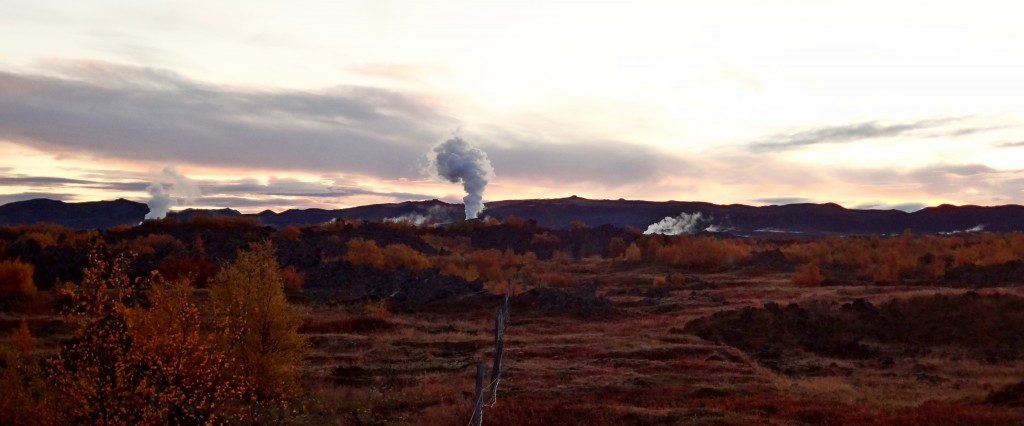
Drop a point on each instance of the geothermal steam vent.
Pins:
(455, 160)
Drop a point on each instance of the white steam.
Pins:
(682, 224)
(161, 201)
(433, 216)
(455, 160)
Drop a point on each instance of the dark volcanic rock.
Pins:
(969, 324)
(1012, 395)
(404, 289)
(579, 301)
(1005, 274)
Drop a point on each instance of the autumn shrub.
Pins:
(259, 329)
(701, 253)
(545, 240)
(184, 363)
(153, 243)
(489, 264)
(403, 256)
(616, 248)
(193, 267)
(363, 252)
(632, 253)
(293, 278)
(557, 279)
(513, 221)
(16, 279)
(808, 276)
(120, 229)
(145, 351)
(290, 232)
(22, 380)
(224, 222)
(94, 376)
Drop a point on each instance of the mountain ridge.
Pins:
(561, 213)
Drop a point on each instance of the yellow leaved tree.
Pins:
(259, 331)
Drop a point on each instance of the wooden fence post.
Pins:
(478, 397)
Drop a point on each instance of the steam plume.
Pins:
(432, 216)
(682, 224)
(160, 201)
(455, 160)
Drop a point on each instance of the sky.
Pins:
(262, 104)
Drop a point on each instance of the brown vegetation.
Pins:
(607, 326)
(16, 279)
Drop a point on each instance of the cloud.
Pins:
(1011, 145)
(969, 183)
(10, 198)
(22, 180)
(55, 182)
(297, 188)
(843, 133)
(244, 202)
(907, 207)
(158, 115)
(155, 114)
(606, 163)
(782, 200)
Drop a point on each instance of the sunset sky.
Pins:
(271, 104)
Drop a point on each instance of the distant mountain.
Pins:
(88, 215)
(434, 210)
(815, 219)
(748, 220)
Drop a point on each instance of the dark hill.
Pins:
(558, 213)
(88, 215)
(434, 210)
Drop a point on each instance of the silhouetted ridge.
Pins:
(559, 213)
(87, 215)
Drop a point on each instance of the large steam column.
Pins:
(455, 160)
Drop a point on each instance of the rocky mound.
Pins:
(1006, 274)
(971, 325)
(582, 301)
(404, 289)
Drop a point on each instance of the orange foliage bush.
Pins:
(152, 243)
(293, 278)
(489, 264)
(557, 279)
(16, 279)
(808, 276)
(44, 239)
(545, 239)
(632, 253)
(291, 232)
(364, 252)
(224, 222)
(401, 255)
(616, 247)
(513, 221)
(701, 253)
(193, 267)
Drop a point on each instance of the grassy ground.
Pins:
(634, 365)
